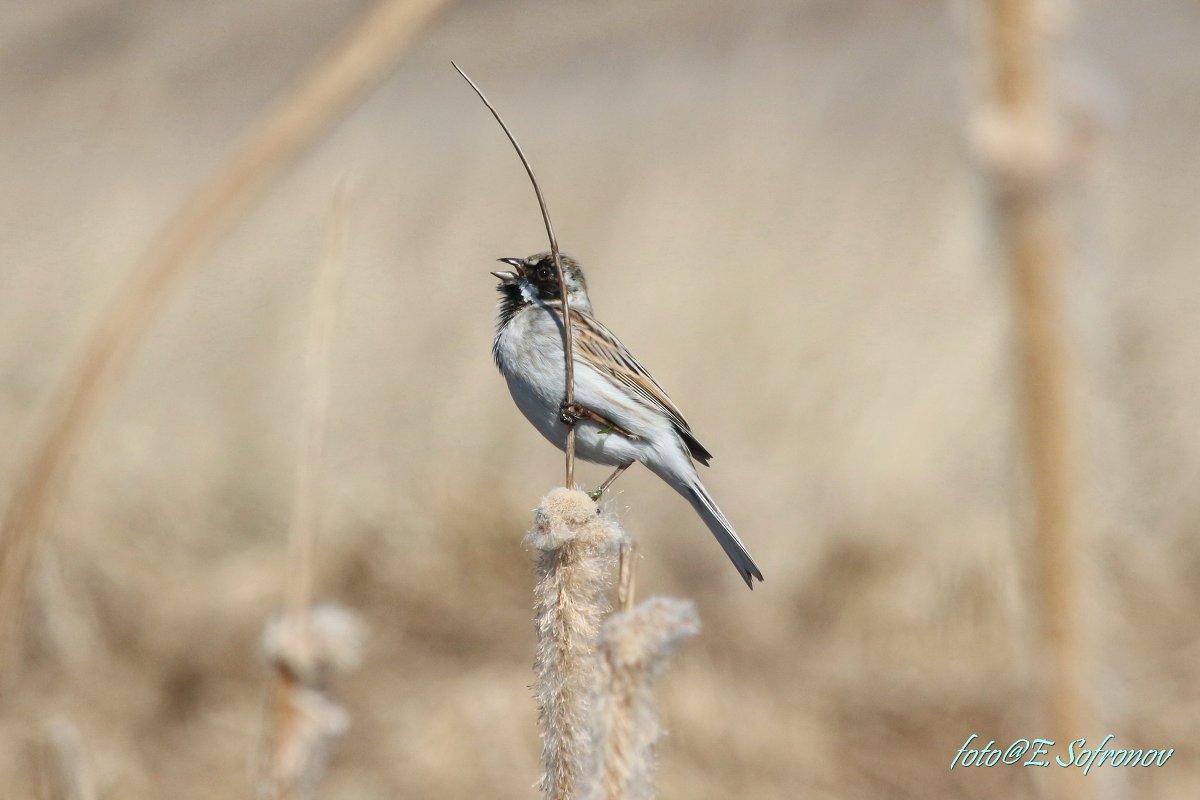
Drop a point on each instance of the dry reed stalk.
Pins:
(360, 58)
(568, 335)
(576, 552)
(1021, 138)
(306, 510)
(305, 720)
(634, 649)
(59, 769)
(305, 646)
(626, 575)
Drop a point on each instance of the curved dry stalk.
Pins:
(357, 61)
(568, 336)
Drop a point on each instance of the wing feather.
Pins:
(607, 354)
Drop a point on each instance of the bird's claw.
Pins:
(570, 413)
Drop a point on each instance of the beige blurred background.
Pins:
(779, 215)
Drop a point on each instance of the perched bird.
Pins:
(621, 414)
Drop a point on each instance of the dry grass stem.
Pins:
(323, 322)
(58, 763)
(627, 575)
(634, 649)
(576, 553)
(306, 647)
(1020, 137)
(356, 62)
(567, 333)
(305, 720)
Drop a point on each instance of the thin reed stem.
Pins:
(305, 522)
(626, 575)
(304, 720)
(567, 334)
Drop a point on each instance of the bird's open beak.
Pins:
(509, 277)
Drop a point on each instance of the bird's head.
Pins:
(535, 279)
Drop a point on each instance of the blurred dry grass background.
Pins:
(841, 343)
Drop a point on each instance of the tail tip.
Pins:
(749, 574)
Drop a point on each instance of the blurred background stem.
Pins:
(1023, 139)
(360, 58)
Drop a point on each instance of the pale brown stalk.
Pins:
(1022, 139)
(634, 649)
(360, 58)
(305, 646)
(576, 552)
(567, 333)
(322, 324)
(626, 575)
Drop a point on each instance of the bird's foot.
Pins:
(596, 494)
(570, 413)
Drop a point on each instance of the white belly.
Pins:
(530, 352)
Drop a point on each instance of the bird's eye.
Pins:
(545, 273)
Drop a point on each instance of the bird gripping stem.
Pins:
(568, 338)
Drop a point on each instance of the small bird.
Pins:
(621, 414)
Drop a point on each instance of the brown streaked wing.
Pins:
(601, 348)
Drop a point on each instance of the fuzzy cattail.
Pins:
(305, 720)
(576, 555)
(633, 649)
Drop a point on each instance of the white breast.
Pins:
(529, 351)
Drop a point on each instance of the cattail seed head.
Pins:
(633, 651)
(576, 555)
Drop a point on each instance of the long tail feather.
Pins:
(706, 507)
